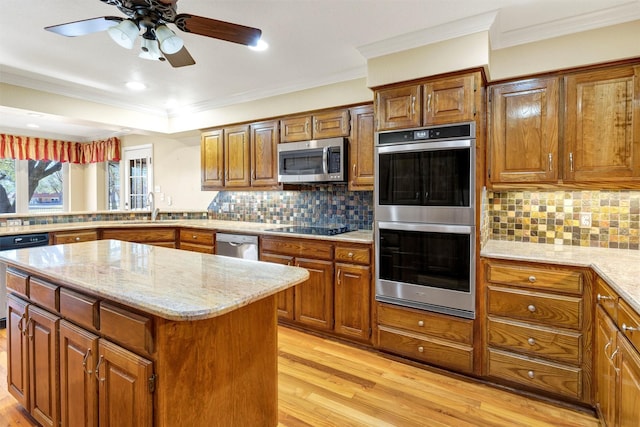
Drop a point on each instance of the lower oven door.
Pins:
(427, 266)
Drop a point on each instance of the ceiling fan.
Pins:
(149, 18)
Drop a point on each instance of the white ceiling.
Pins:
(312, 43)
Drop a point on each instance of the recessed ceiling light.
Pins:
(32, 125)
(260, 46)
(136, 86)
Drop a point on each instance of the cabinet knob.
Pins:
(531, 374)
(603, 297)
(350, 254)
(421, 349)
(626, 328)
(420, 323)
(194, 236)
(531, 308)
(532, 279)
(531, 341)
(77, 239)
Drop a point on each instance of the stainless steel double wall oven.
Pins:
(425, 218)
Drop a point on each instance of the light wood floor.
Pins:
(327, 383)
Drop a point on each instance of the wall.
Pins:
(313, 205)
(553, 217)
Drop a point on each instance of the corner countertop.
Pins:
(620, 268)
(169, 283)
(359, 236)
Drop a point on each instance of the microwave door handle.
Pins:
(325, 165)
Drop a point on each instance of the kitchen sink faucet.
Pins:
(152, 206)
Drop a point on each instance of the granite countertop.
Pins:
(618, 267)
(169, 283)
(360, 236)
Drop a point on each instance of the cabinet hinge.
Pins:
(152, 383)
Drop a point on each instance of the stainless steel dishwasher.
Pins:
(237, 246)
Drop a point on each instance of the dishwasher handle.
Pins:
(236, 239)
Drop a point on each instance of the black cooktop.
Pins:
(318, 231)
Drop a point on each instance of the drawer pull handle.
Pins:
(420, 323)
(531, 341)
(531, 374)
(614, 353)
(603, 298)
(626, 328)
(532, 279)
(421, 349)
(84, 362)
(531, 308)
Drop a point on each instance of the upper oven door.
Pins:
(439, 175)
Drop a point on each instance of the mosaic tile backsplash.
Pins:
(326, 205)
(554, 217)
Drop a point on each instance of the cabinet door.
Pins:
(124, 382)
(314, 298)
(398, 108)
(44, 386)
(264, 154)
(78, 384)
(284, 299)
(236, 157)
(449, 100)
(523, 131)
(629, 397)
(602, 132)
(605, 369)
(353, 300)
(331, 124)
(361, 152)
(294, 129)
(17, 350)
(212, 159)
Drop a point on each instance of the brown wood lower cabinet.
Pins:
(437, 339)
(158, 236)
(538, 328)
(195, 240)
(75, 236)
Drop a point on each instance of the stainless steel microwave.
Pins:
(318, 160)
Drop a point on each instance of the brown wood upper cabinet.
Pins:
(432, 102)
(240, 157)
(523, 130)
(598, 144)
(320, 125)
(361, 149)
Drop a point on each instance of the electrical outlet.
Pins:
(585, 220)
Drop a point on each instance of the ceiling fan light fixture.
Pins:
(150, 50)
(169, 42)
(125, 33)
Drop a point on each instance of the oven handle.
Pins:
(425, 146)
(432, 228)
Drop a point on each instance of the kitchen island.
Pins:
(141, 335)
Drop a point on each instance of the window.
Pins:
(32, 186)
(113, 185)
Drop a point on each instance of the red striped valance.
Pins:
(30, 148)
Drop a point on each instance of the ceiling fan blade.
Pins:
(222, 30)
(181, 58)
(86, 26)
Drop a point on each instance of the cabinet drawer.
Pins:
(549, 309)
(559, 345)
(141, 235)
(426, 323)
(298, 247)
(80, 309)
(128, 329)
(18, 282)
(630, 319)
(548, 376)
(353, 254)
(203, 249)
(75, 236)
(607, 298)
(201, 237)
(541, 279)
(44, 294)
(447, 354)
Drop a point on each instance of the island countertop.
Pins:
(169, 283)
